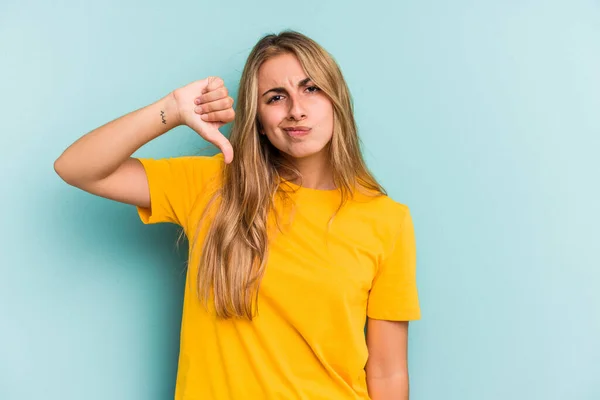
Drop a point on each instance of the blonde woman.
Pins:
(294, 246)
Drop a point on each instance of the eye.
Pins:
(274, 98)
(313, 89)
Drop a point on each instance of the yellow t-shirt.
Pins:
(307, 341)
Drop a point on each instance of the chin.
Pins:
(304, 152)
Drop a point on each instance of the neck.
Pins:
(316, 172)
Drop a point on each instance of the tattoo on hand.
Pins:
(162, 114)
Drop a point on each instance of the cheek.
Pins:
(325, 114)
(270, 117)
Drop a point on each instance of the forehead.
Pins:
(281, 70)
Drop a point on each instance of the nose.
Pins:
(296, 111)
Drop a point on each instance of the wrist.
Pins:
(169, 111)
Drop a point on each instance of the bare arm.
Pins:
(387, 366)
(100, 162)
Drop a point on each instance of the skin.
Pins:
(287, 99)
(387, 366)
(100, 162)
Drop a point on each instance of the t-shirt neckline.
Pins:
(302, 190)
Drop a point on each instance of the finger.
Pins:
(216, 94)
(217, 116)
(218, 105)
(218, 139)
(214, 82)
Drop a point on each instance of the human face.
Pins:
(288, 99)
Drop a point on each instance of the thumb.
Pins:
(218, 139)
(212, 83)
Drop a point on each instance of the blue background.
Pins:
(482, 116)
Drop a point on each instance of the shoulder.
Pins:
(184, 168)
(385, 216)
(198, 164)
(392, 215)
(390, 206)
(201, 172)
(385, 210)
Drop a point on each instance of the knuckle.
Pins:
(212, 83)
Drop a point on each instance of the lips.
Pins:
(296, 131)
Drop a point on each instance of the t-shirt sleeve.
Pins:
(393, 294)
(174, 185)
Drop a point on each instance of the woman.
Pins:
(294, 244)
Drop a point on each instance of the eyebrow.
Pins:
(302, 83)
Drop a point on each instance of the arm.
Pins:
(387, 366)
(100, 162)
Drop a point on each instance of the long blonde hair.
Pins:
(235, 250)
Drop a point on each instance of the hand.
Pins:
(205, 106)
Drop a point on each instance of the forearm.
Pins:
(99, 153)
(389, 388)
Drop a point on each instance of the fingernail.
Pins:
(197, 101)
(204, 116)
(198, 109)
